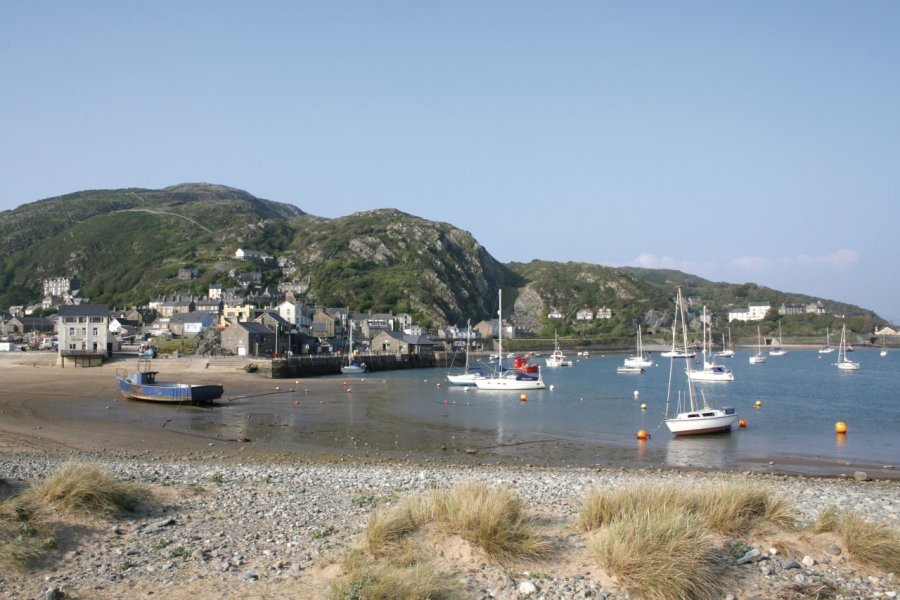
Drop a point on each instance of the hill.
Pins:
(126, 246)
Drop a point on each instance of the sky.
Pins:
(738, 141)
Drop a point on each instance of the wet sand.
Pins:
(47, 408)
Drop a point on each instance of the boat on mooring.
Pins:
(141, 384)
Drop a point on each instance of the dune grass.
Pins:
(659, 555)
(493, 519)
(403, 577)
(28, 521)
(25, 535)
(728, 509)
(390, 565)
(659, 540)
(80, 489)
(875, 544)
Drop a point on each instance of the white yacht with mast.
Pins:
(509, 379)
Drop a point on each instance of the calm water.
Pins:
(589, 417)
(802, 398)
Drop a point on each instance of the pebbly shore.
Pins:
(220, 527)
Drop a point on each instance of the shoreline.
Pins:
(236, 520)
(83, 411)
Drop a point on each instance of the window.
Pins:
(96, 333)
(71, 332)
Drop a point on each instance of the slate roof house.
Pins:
(190, 324)
(394, 342)
(248, 339)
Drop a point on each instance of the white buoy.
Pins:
(551, 388)
(637, 394)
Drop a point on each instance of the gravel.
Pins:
(246, 524)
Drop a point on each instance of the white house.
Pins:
(739, 313)
(254, 255)
(603, 313)
(555, 314)
(83, 332)
(758, 310)
(585, 314)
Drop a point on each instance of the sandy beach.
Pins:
(236, 518)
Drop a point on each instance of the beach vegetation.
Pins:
(30, 520)
(410, 579)
(493, 519)
(659, 555)
(876, 544)
(25, 535)
(81, 489)
(728, 508)
(660, 541)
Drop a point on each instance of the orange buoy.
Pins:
(642, 435)
(524, 397)
(742, 423)
(840, 427)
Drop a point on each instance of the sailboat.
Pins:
(353, 366)
(727, 350)
(694, 420)
(883, 346)
(640, 360)
(677, 352)
(710, 372)
(759, 357)
(469, 374)
(777, 350)
(557, 358)
(510, 379)
(827, 348)
(843, 363)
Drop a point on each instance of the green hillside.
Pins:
(126, 247)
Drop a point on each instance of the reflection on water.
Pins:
(716, 451)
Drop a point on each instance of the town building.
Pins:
(83, 332)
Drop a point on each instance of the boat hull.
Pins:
(511, 381)
(702, 422)
(174, 393)
(464, 379)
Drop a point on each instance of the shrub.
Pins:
(876, 544)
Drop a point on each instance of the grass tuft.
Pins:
(876, 544)
(365, 579)
(25, 535)
(661, 555)
(86, 490)
(729, 509)
(492, 519)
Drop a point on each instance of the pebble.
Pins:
(264, 522)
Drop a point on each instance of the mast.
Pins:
(468, 336)
(687, 362)
(500, 329)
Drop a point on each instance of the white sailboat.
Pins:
(759, 357)
(469, 374)
(843, 363)
(640, 360)
(353, 366)
(677, 352)
(827, 348)
(510, 379)
(694, 420)
(557, 358)
(777, 350)
(711, 372)
(727, 350)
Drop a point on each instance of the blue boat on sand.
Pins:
(141, 384)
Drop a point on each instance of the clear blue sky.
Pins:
(739, 141)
